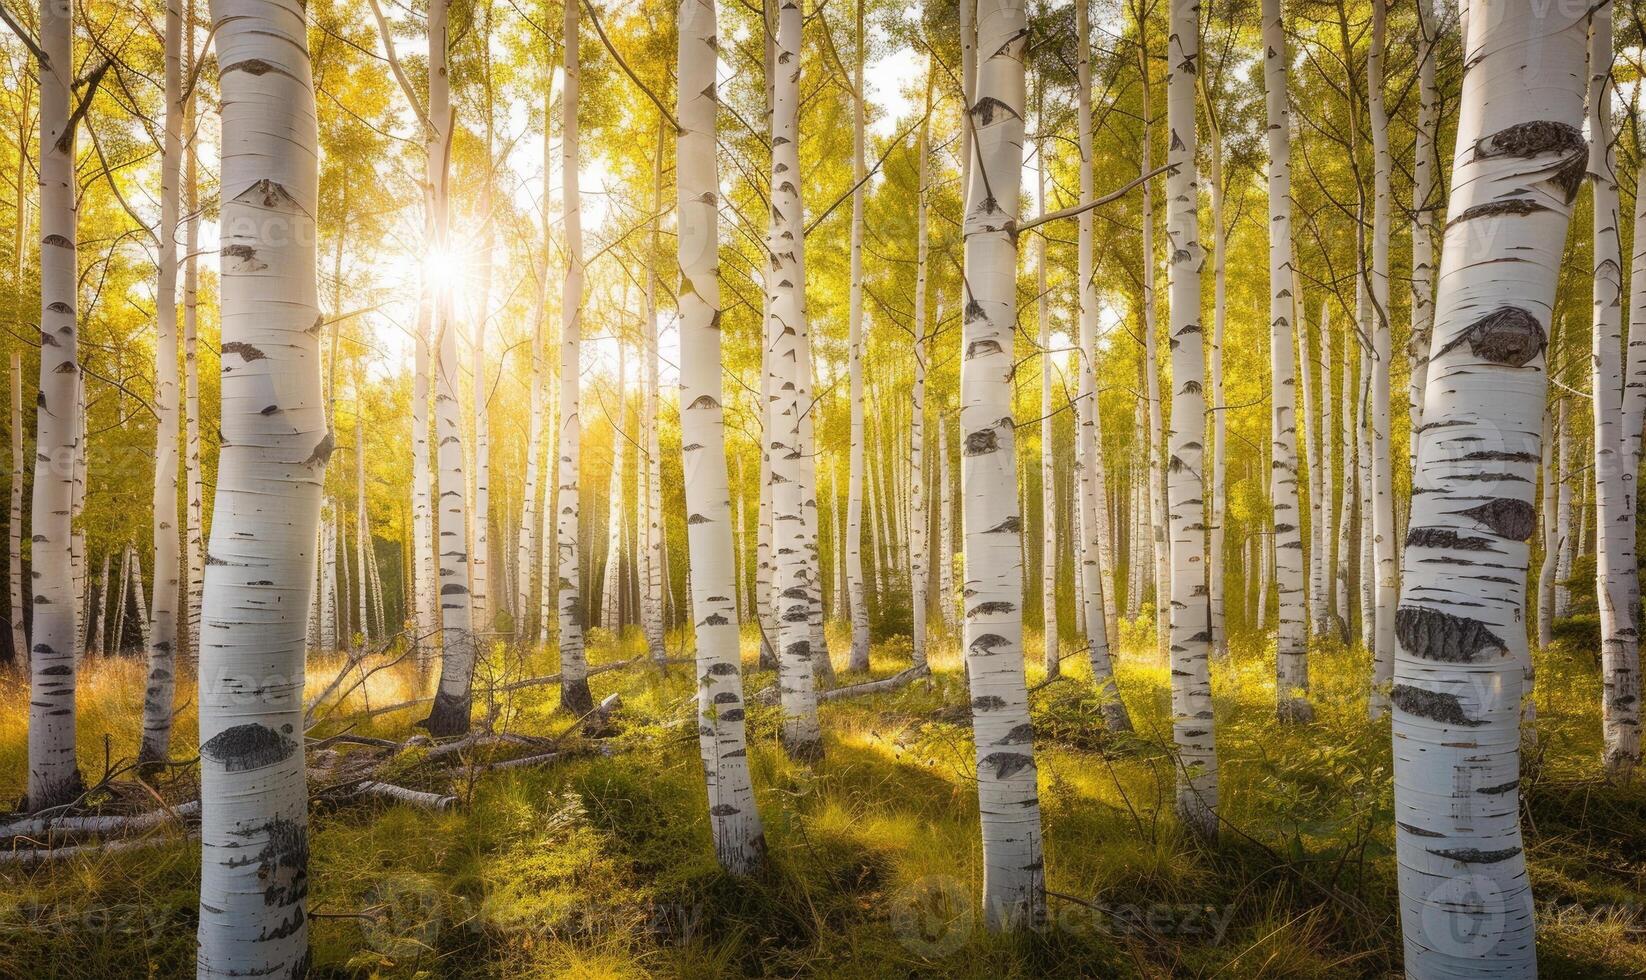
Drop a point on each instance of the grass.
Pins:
(600, 866)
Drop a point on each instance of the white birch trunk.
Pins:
(1342, 598)
(480, 517)
(1466, 905)
(1425, 168)
(1160, 548)
(651, 599)
(1051, 655)
(1291, 638)
(1616, 578)
(54, 776)
(1013, 871)
(1384, 552)
(1220, 306)
(260, 567)
(574, 665)
(1551, 536)
(194, 537)
(1091, 528)
(1306, 414)
(1563, 515)
(795, 556)
(611, 588)
(918, 522)
(158, 694)
(1190, 648)
(1328, 617)
(945, 527)
(14, 524)
(738, 839)
(854, 356)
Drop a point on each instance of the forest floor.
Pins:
(599, 864)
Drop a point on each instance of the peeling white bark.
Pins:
(1466, 905)
(260, 563)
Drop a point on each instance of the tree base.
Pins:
(575, 696)
(807, 750)
(1115, 717)
(448, 717)
(60, 793)
(1295, 711)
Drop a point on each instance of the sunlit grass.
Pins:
(600, 866)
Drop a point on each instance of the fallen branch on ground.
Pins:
(400, 794)
(769, 695)
(101, 824)
(40, 855)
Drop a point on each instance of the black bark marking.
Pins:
(1541, 137)
(1508, 335)
(1513, 206)
(1507, 517)
(246, 351)
(986, 644)
(1435, 635)
(981, 442)
(1444, 708)
(1474, 855)
(988, 702)
(1443, 537)
(248, 746)
(1418, 831)
(1005, 764)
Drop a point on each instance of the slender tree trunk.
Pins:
(918, 521)
(945, 526)
(19, 643)
(1425, 168)
(362, 534)
(735, 822)
(1384, 546)
(1306, 415)
(1551, 536)
(480, 517)
(54, 776)
(1091, 529)
(574, 683)
(1051, 655)
(789, 365)
(1634, 386)
(158, 695)
(1292, 641)
(194, 537)
(854, 355)
(1220, 305)
(652, 598)
(1013, 874)
(1466, 905)
(1158, 509)
(1616, 578)
(611, 588)
(117, 641)
(1329, 616)
(1368, 602)
(254, 816)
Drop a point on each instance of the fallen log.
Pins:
(101, 824)
(429, 801)
(40, 855)
(769, 695)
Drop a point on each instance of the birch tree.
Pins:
(735, 822)
(992, 637)
(54, 776)
(1384, 555)
(1192, 727)
(1091, 530)
(14, 524)
(254, 799)
(917, 401)
(574, 664)
(1466, 904)
(785, 327)
(163, 631)
(1616, 578)
(854, 356)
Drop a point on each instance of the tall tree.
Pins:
(1292, 639)
(14, 525)
(1192, 727)
(163, 631)
(992, 638)
(788, 361)
(918, 518)
(1091, 529)
(54, 775)
(855, 591)
(1384, 552)
(738, 839)
(574, 664)
(1466, 903)
(254, 799)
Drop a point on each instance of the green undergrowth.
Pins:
(600, 865)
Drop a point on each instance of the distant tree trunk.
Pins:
(1551, 536)
(945, 526)
(54, 776)
(254, 816)
(918, 522)
(1384, 546)
(611, 588)
(1013, 875)
(574, 665)
(19, 643)
(1310, 420)
(1368, 572)
(854, 356)
(362, 535)
(1425, 168)
(1616, 578)
(1051, 655)
(194, 537)
(1217, 514)
(1342, 597)
(1328, 617)
(159, 693)
(796, 556)
(1563, 514)
(738, 839)
(651, 599)
(480, 517)
(1466, 903)
(100, 611)
(1091, 528)
(1158, 510)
